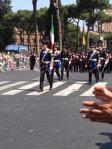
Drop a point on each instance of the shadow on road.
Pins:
(107, 145)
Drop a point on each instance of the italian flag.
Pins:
(52, 33)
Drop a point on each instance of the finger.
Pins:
(103, 98)
(106, 94)
(101, 120)
(90, 104)
(99, 88)
(95, 92)
(109, 88)
(91, 111)
(84, 110)
(91, 116)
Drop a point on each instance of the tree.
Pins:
(34, 2)
(73, 14)
(5, 7)
(71, 40)
(91, 7)
(6, 31)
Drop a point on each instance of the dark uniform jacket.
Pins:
(45, 59)
(93, 59)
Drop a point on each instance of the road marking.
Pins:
(11, 85)
(3, 82)
(89, 92)
(46, 89)
(21, 89)
(70, 89)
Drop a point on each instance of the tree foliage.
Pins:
(6, 30)
(90, 11)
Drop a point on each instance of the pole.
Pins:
(59, 25)
(34, 2)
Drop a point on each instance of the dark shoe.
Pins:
(50, 88)
(40, 90)
(97, 81)
(59, 79)
(90, 83)
(102, 79)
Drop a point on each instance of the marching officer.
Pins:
(103, 61)
(93, 62)
(65, 59)
(45, 65)
(56, 63)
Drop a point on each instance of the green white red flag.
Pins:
(52, 34)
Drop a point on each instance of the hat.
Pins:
(92, 45)
(45, 42)
(64, 46)
(100, 43)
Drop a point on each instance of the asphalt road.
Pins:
(48, 120)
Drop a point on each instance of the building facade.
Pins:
(107, 27)
(23, 38)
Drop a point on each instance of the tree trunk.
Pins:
(88, 29)
(100, 29)
(20, 31)
(34, 2)
(77, 46)
(59, 25)
(28, 40)
(23, 37)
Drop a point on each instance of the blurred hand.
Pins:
(97, 112)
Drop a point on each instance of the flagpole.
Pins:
(83, 37)
(52, 33)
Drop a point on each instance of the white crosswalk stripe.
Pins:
(46, 89)
(3, 82)
(21, 89)
(70, 89)
(89, 92)
(11, 85)
(60, 88)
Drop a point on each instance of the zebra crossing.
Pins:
(60, 88)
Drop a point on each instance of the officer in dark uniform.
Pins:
(32, 61)
(93, 61)
(56, 63)
(102, 55)
(45, 64)
(65, 59)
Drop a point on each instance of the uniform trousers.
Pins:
(64, 65)
(42, 76)
(96, 74)
(55, 69)
(103, 70)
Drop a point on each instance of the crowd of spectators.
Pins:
(11, 61)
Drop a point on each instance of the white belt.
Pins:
(65, 59)
(94, 60)
(47, 62)
(101, 58)
(56, 60)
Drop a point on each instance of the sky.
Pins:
(27, 4)
(20, 5)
